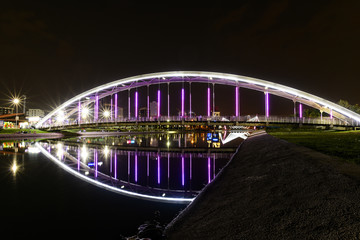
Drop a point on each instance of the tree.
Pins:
(346, 104)
(312, 113)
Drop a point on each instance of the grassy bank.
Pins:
(12, 131)
(342, 144)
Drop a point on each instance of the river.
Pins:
(105, 186)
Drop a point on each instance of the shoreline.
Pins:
(275, 189)
(7, 136)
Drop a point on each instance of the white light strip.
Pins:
(210, 76)
(108, 187)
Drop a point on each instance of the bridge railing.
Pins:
(225, 119)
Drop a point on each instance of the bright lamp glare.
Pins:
(84, 153)
(16, 101)
(106, 151)
(106, 114)
(85, 113)
(61, 116)
(14, 167)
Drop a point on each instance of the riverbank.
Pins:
(273, 189)
(7, 136)
(342, 144)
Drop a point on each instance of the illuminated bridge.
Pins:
(100, 105)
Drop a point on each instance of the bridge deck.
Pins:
(164, 122)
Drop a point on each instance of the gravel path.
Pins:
(275, 190)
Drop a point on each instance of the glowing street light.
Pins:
(16, 102)
(85, 113)
(60, 117)
(106, 114)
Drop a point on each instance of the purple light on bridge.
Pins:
(209, 168)
(148, 102)
(267, 104)
(79, 112)
(96, 162)
(208, 101)
(182, 102)
(116, 108)
(96, 108)
(129, 104)
(236, 101)
(136, 167)
(182, 171)
(115, 165)
(300, 110)
(78, 158)
(158, 168)
(136, 104)
(111, 108)
(158, 102)
(331, 114)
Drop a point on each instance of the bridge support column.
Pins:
(129, 104)
(182, 103)
(168, 100)
(111, 108)
(79, 113)
(136, 105)
(237, 105)
(158, 104)
(321, 115)
(190, 98)
(116, 107)
(208, 101)
(96, 109)
(148, 103)
(213, 100)
(267, 105)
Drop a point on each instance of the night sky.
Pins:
(53, 50)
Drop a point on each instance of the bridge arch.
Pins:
(75, 104)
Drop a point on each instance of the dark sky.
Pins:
(53, 50)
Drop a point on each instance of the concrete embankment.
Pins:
(272, 189)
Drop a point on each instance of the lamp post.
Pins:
(16, 101)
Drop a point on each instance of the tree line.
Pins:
(314, 113)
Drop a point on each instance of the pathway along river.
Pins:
(61, 187)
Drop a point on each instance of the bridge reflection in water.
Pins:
(146, 172)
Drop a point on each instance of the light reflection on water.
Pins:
(162, 167)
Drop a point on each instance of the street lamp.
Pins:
(16, 102)
(106, 114)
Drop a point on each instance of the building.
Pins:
(153, 109)
(6, 110)
(35, 113)
(143, 112)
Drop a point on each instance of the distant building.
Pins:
(143, 112)
(120, 112)
(35, 113)
(153, 109)
(6, 110)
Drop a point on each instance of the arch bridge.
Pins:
(100, 105)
